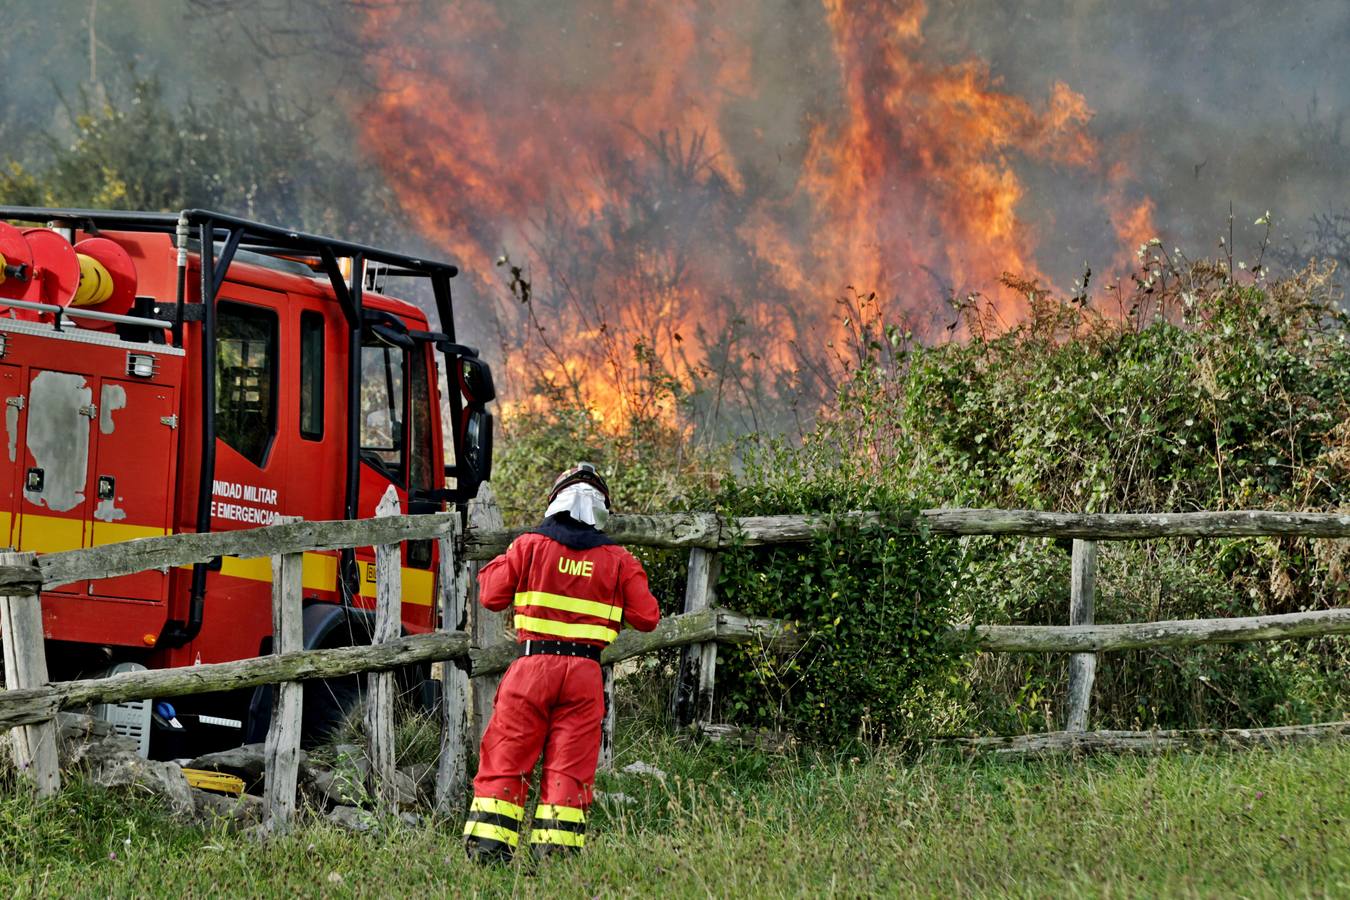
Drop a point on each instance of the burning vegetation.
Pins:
(677, 194)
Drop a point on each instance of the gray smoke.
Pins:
(1209, 103)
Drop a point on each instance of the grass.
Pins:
(738, 823)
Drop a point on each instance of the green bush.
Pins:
(874, 606)
(1196, 393)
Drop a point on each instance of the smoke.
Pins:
(1208, 103)
(668, 173)
(701, 181)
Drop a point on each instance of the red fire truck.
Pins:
(166, 373)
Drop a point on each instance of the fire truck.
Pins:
(195, 372)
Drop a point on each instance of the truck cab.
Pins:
(167, 373)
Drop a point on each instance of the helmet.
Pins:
(581, 473)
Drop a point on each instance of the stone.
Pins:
(642, 768)
(319, 789)
(212, 809)
(406, 794)
(83, 737)
(607, 798)
(349, 759)
(423, 775)
(249, 762)
(352, 818)
(323, 787)
(163, 779)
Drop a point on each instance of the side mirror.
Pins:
(475, 437)
(475, 380)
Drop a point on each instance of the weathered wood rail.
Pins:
(476, 647)
(1179, 633)
(1056, 742)
(32, 705)
(712, 532)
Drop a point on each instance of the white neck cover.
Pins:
(583, 503)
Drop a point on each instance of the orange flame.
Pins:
(613, 149)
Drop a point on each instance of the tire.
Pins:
(329, 704)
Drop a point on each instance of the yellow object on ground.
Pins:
(214, 781)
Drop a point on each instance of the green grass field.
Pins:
(738, 823)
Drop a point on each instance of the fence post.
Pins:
(283, 735)
(693, 700)
(606, 761)
(485, 627)
(453, 773)
(1082, 666)
(35, 750)
(381, 686)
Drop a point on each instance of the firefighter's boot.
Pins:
(492, 830)
(558, 831)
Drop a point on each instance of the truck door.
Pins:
(137, 434)
(250, 487)
(397, 447)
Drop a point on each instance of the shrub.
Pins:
(1198, 392)
(874, 605)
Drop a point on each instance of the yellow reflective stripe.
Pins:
(561, 813)
(319, 572)
(491, 832)
(117, 532)
(53, 534)
(416, 584)
(570, 604)
(565, 629)
(554, 836)
(499, 807)
(50, 534)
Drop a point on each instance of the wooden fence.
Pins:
(473, 640)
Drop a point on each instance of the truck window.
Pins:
(382, 419)
(423, 462)
(311, 375)
(246, 378)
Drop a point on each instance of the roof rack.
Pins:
(256, 236)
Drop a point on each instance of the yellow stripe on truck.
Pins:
(116, 532)
(53, 534)
(416, 583)
(50, 534)
(319, 573)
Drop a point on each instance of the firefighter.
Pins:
(573, 588)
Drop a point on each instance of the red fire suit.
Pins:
(552, 704)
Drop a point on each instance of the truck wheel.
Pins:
(328, 705)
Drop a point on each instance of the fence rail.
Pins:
(673, 531)
(474, 643)
(1176, 633)
(712, 532)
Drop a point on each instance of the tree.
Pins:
(134, 150)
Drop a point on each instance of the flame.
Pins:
(611, 148)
